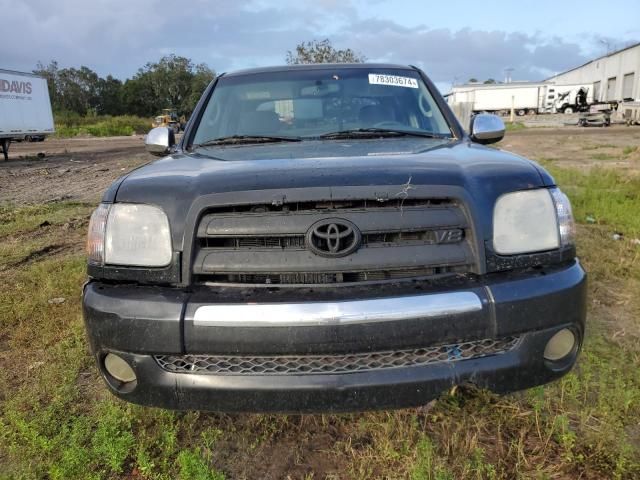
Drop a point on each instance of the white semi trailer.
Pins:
(524, 98)
(25, 108)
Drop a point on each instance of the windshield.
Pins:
(308, 104)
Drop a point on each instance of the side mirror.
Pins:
(159, 141)
(486, 128)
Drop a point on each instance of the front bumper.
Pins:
(139, 323)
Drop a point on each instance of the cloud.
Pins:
(118, 36)
(447, 55)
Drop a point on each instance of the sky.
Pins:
(452, 41)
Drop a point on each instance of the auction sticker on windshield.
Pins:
(381, 79)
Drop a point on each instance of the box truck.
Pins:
(25, 108)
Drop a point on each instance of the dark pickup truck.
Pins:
(329, 238)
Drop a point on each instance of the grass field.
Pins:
(58, 421)
(71, 125)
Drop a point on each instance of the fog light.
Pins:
(118, 368)
(560, 345)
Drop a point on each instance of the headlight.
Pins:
(566, 226)
(95, 237)
(129, 234)
(532, 221)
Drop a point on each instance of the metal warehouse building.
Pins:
(615, 76)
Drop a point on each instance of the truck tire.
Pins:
(532, 111)
(567, 110)
(4, 143)
(521, 112)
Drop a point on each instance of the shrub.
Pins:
(72, 124)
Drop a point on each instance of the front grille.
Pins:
(332, 205)
(407, 237)
(333, 364)
(268, 244)
(312, 278)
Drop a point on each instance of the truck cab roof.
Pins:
(316, 66)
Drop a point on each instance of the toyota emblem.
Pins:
(333, 237)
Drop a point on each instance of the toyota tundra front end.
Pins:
(328, 238)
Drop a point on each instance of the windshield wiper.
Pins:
(380, 132)
(245, 139)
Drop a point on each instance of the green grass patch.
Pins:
(629, 150)
(611, 197)
(15, 220)
(25, 313)
(100, 126)
(33, 231)
(193, 466)
(603, 156)
(597, 146)
(428, 464)
(514, 126)
(57, 419)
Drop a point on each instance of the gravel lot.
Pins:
(82, 168)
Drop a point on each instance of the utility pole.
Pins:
(513, 109)
(507, 74)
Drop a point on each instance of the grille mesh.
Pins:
(426, 237)
(335, 205)
(331, 364)
(329, 277)
(239, 244)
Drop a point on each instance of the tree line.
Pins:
(322, 51)
(488, 81)
(172, 82)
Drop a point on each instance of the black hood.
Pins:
(176, 181)
(329, 163)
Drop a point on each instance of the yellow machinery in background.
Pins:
(170, 119)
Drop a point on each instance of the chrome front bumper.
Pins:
(336, 313)
(344, 350)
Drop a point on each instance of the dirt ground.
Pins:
(71, 169)
(578, 147)
(82, 168)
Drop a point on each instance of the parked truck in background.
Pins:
(525, 98)
(570, 98)
(25, 108)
